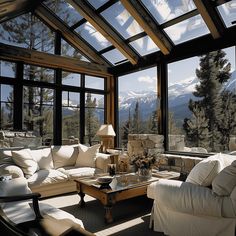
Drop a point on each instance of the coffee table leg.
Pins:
(81, 202)
(108, 214)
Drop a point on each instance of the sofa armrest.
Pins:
(102, 161)
(188, 198)
(10, 169)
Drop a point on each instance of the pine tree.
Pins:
(197, 127)
(213, 73)
(137, 127)
(92, 122)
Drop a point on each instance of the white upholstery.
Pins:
(188, 209)
(56, 168)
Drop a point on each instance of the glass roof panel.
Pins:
(68, 51)
(92, 36)
(228, 13)
(64, 11)
(97, 3)
(121, 20)
(144, 45)
(191, 28)
(165, 10)
(114, 56)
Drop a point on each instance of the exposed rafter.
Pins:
(211, 18)
(100, 25)
(14, 8)
(139, 13)
(53, 21)
(33, 57)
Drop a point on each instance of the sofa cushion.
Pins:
(64, 155)
(43, 157)
(24, 159)
(205, 171)
(87, 155)
(76, 172)
(45, 177)
(225, 181)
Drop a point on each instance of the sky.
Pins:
(177, 71)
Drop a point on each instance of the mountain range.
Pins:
(179, 94)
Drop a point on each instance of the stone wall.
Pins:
(141, 143)
(153, 144)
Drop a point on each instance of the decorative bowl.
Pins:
(105, 179)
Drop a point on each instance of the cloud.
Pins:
(147, 79)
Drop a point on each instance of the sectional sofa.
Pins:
(51, 170)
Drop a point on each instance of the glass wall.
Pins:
(70, 117)
(202, 103)
(38, 111)
(137, 104)
(7, 100)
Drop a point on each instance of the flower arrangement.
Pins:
(143, 161)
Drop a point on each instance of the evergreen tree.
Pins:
(126, 129)
(213, 73)
(92, 122)
(172, 127)
(197, 127)
(137, 126)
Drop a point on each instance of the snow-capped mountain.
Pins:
(179, 95)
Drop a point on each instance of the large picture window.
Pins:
(137, 104)
(202, 103)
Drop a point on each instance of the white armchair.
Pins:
(190, 209)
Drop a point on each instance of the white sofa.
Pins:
(203, 205)
(51, 170)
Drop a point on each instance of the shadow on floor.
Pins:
(138, 209)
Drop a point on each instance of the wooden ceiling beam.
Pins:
(104, 28)
(15, 8)
(211, 18)
(143, 18)
(53, 21)
(33, 57)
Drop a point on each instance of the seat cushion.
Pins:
(64, 155)
(225, 181)
(87, 156)
(45, 177)
(77, 172)
(24, 159)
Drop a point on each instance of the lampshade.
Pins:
(106, 130)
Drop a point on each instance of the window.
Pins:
(202, 102)
(70, 116)
(137, 104)
(6, 106)
(72, 79)
(38, 73)
(94, 116)
(94, 82)
(29, 32)
(7, 69)
(38, 111)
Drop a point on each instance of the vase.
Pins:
(144, 174)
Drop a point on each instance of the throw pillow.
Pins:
(64, 155)
(23, 159)
(43, 157)
(204, 172)
(225, 181)
(87, 155)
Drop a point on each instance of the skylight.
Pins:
(191, 28)
(121, 20)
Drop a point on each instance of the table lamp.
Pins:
(106, 134)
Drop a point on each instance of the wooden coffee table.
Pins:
(122, 187)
